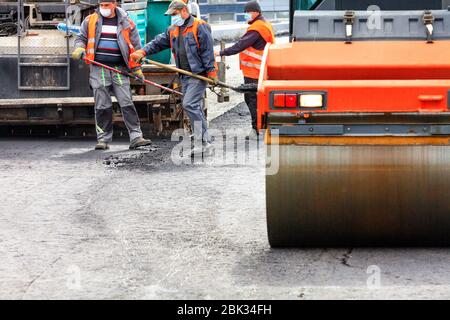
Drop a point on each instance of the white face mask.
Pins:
(178, 20)
(105, 12)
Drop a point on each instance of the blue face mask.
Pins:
(248, 16)
(177, 20)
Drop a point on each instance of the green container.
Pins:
(304, 4)
(157, 24)
(140, 19)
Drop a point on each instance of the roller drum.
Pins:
(360, 195)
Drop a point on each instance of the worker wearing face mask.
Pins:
(251, 49)
(192, 45)
(109, 36)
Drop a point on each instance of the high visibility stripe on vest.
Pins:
(92, 33)
(253, 54)
(251, 65)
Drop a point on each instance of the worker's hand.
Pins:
(138, 56)
(216, 53)
(214, 78)
(139, 74)
(79, 53)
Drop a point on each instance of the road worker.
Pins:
(192, 45)
(109, 36)
(251, 49)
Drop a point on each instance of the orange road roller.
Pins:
(356, 110)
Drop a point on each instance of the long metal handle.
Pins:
(133, 76)
(187, 73)
(241, 89)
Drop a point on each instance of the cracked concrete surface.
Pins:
(74, 226)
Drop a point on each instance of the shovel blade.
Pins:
(247, 88)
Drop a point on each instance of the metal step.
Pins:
(43, 64)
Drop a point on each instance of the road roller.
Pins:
(356, 109)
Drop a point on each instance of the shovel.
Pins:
(133, 77)
(245, 88)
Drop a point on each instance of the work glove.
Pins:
(79, 53)
(139, 74)
(214, 78)
(137, 56)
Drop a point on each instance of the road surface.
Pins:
(75, 223)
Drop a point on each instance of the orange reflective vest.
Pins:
(250, 58)
(92, 32)
(175, 32)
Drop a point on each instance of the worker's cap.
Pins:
(107, 1)
(252, 6)
(174, 6)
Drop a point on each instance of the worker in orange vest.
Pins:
(192, 45)
(109, 36)
(251, 49)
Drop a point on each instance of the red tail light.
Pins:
(283, 100)
(279, 100)
(291, 101)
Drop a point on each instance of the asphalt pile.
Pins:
(158, 155)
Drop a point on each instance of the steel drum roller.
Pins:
(360, 195)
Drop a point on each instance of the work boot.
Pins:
(206, 150)
(139, 142)
(102, 145)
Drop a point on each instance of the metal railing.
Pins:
(41, 71)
